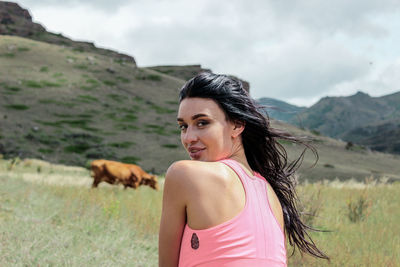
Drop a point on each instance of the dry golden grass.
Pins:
(67, 223)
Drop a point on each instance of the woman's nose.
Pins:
(189, 136)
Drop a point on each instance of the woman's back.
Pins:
(237, 224)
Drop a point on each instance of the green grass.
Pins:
(327, 165)
(130, 159)
(123, 79)
(157, 129)
(17, 107)
(109, 83)
(126, 144)
(121, 126)
(40, 84)
(154, 77)
(81, 67)
(42, 138)
(170, 145)
(150, 77)
(78, 49)
(92, 81)
(56, 102)
(173, 102)
(128, 118)
(78, 148)
(32, 84)
(124, 118)
(88, 98)
(23, 49)
(8, 55)
(44, 69)
(45, 150)
(63, 115)
(49, 84)
(87, 116)
(117, 98)
(57, 74)
(367, 243)
(90, 84)
(74, 123)
(176, 132)
(161, 110)
(73, 225)
(138, 99)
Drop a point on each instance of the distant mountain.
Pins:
(359, 118)
(383, 136)
(280, 110)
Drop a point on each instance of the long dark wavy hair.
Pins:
(263, 151)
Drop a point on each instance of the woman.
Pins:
(234, 202)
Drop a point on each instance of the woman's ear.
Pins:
(238, 128)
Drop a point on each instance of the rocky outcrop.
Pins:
(186, 72)
(17, 21)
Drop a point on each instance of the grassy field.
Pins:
(49, 215)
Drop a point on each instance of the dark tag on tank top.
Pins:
(194, 241)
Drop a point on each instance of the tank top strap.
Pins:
(235, 166)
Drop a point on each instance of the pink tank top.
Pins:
(252, 238)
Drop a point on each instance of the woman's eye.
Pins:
(202, 123)
(182, 127)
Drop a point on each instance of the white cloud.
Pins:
(295, 50)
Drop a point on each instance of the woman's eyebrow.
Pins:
(193, 117)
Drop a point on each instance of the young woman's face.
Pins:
(205, 132)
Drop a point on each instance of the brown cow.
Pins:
(144, 177)
(113, 172)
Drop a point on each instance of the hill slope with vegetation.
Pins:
(359, 118)
(17, 21)
(67, 105)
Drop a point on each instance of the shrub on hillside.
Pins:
(358, 209)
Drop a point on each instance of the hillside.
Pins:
(17, 21)
(356, 118)
(279, 110)
(69, 106)
(382, 136)
(338, 161)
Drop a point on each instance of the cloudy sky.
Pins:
(294, 50)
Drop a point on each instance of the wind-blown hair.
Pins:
(263, 151)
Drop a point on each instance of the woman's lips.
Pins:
(195, 153)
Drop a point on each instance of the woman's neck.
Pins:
(240, 157)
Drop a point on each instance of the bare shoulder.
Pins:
(192, 168)
(189, 173)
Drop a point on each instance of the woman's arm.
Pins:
(173, 216)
